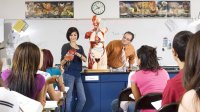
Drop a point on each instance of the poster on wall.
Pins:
(49, 9)
(161, 8)
(129, 9)
(178, 9)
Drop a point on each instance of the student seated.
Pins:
(151, 77)
(53, 71)
(47, 60)
(191, 78)
(23, 77)
(174, 89)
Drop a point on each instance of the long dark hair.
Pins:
(148, 57)
(47, 59)
(26, 61)
(192, 63)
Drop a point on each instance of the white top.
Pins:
(46, 75)
(8, 103)
(14, 101)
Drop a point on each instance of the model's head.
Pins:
(192, 63)
(72, 34)
(180, 43)
(147, 58)
(96, 21)
(47, 59)
(26, 61)
(127, 38)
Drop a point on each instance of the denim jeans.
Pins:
(74, 84)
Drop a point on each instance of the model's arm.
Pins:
(87, 34)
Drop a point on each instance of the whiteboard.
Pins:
(50, 34)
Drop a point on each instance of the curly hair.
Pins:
(148, 57)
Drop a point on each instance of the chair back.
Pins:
(144, 102)
(124, 96)
(173, 107)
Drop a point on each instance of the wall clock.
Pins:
(98, 7)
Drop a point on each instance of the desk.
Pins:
(102, 88)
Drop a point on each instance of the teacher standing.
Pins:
(72, 56)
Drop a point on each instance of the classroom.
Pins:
(90, 52)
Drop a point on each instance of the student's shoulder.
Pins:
(139, 73)
(189, 96)
(5, 74)
(163, 71)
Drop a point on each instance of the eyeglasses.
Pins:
(126, 38)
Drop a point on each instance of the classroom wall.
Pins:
(50, 33)
(15, 9)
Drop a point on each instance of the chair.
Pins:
(144, 102)
(173, 107)
(124, 96)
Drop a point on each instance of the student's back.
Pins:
(150, 81)
(22, 77)
(174, 89)
(39, 82)
(53, 71)
(151, 77)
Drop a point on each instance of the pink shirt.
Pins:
(149, 82)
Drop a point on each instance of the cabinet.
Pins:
(102, 88)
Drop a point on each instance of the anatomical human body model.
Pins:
(97, 58)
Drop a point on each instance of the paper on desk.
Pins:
(51, 104)
(157, 104)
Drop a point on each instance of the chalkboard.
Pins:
(50, 34)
